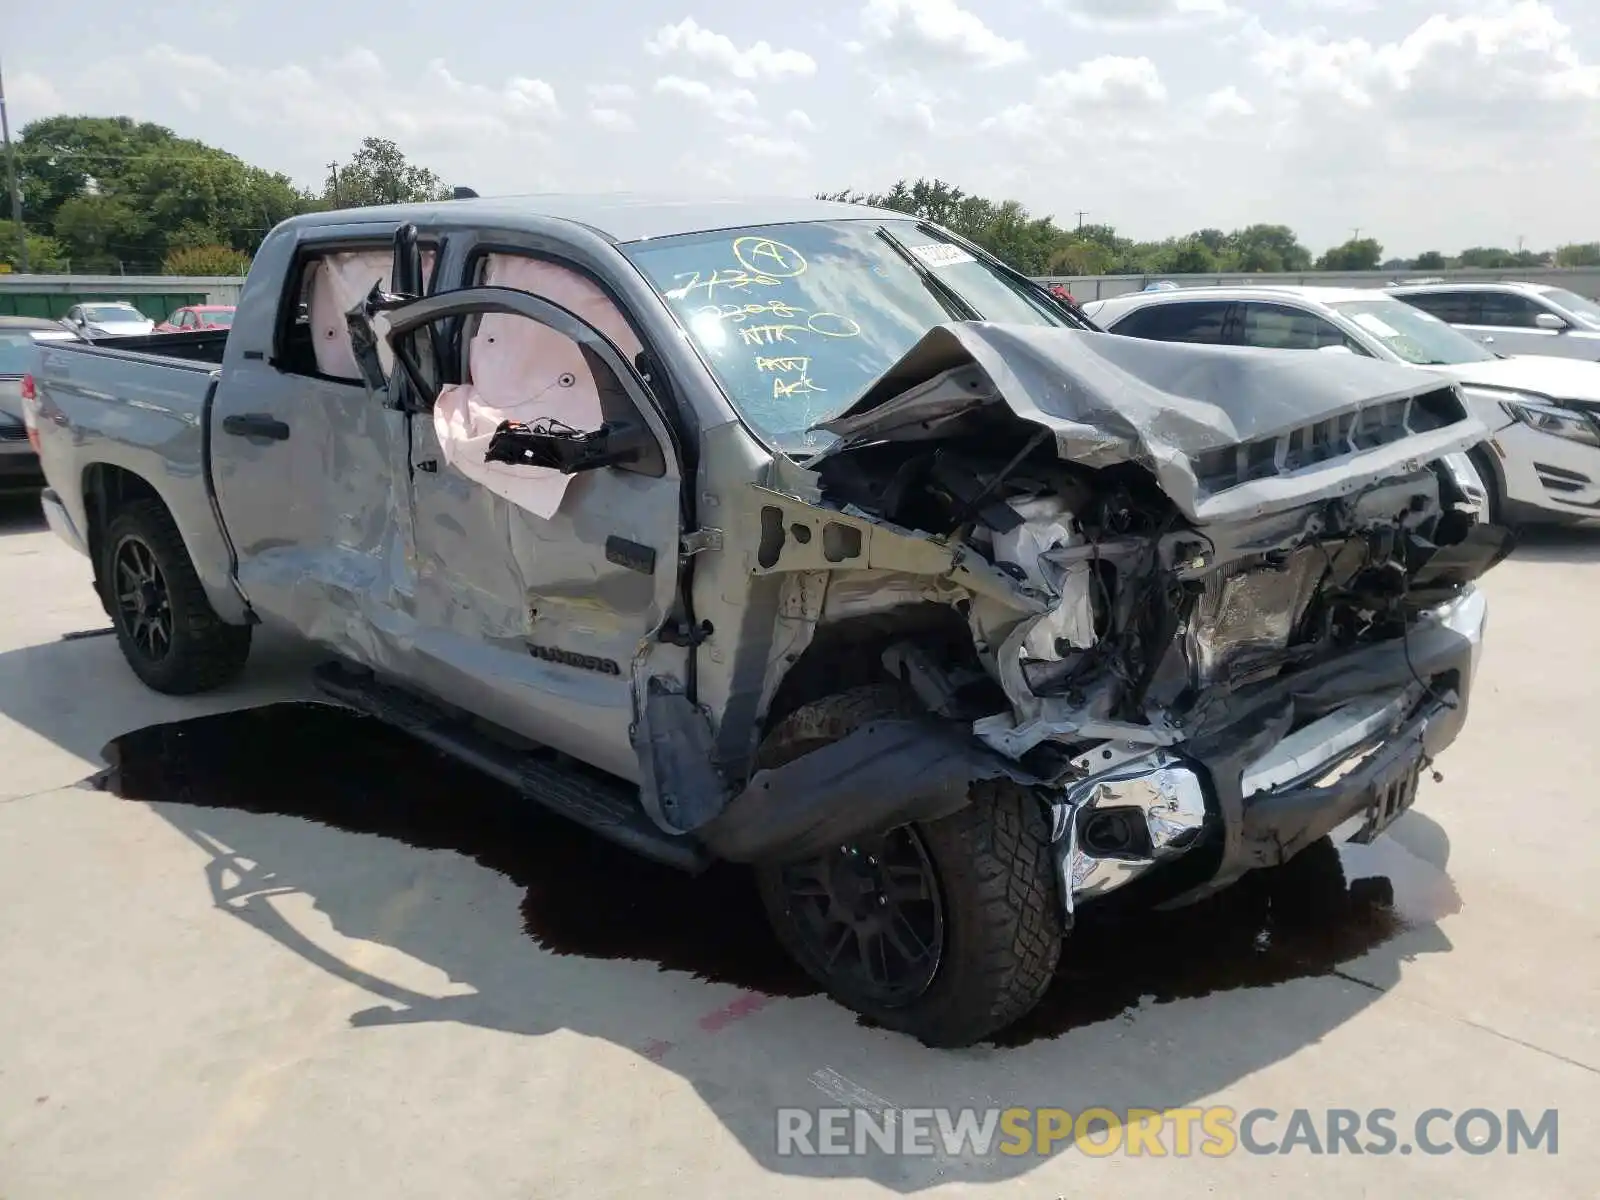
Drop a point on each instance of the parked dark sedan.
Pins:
(19, 462)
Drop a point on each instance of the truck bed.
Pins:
(202, 345)
(106, 409)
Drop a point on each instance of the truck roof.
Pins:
(618, 216)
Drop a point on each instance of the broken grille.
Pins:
(1327, 440)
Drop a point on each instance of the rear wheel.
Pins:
(947, 930)
(169, 633)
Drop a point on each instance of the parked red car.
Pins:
(198, 316)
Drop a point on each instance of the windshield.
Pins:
(1587, 310)
(796, 329)
(1411, 334)
(222, 317)
(112, 312)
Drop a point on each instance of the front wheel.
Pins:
(947, 930)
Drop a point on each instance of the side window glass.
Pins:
(1453, 308)
(315, 340)
(1279, 327)
(1509, 311)
(1199, 321)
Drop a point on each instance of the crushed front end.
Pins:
(1207, 626)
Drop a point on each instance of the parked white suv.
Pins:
(1513, 318)
(1542, 460)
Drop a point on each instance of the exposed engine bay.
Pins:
(1140, 590)
(1147, 620)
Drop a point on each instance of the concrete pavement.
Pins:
(287, 953)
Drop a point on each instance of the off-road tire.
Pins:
(205, 652)
(996, 876)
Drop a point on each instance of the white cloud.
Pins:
(1106, 98)
(613, 120)
(734, 105)
(1461, 67)
(906, 103)
(1128, 15)
(766, 147)
(759, 61)
(937, 31)
(1228, 102)
(611, 93)
(315, 110)
(798, 118)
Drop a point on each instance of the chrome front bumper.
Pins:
(1150, 808)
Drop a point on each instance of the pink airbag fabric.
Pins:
(523, 371)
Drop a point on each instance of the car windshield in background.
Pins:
(1576, 304)
(1416, 336)
(112, 312)
(798, 320)
(222, 317)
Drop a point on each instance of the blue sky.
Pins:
(1425, 123)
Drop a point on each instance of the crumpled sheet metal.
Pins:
(523, 371)
(1110, 399)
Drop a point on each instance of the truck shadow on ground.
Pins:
(1125, 1025)
(21, 513)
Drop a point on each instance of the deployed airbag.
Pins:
(520, 370)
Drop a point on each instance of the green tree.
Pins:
(45, 255)
(1487, 258)
(121, 194)
(1186, 256)
(1358, 254)
(378, 173)
(1586, 254)
(206, 260)
(1267, 249)
(1429, 260)
(103, 234)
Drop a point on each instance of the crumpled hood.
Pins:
(1174, 408)
(1558, 378)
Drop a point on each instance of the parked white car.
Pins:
(111, 318)
(1541, 462)
(1513, 318)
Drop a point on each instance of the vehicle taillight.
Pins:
(30, 412)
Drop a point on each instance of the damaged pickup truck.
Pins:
(803, 536)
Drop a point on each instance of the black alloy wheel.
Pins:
(144, 602)
(870, 916)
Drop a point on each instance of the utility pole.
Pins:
(1355, 234)
(334, 167)
(11, 181)
(1081, 215)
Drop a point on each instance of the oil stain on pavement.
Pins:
(349, 772)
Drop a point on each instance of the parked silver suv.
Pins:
(1514, 318)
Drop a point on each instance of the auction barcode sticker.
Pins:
(942, 254)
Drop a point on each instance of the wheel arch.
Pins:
(109, 487)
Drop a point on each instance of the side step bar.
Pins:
(600, 803)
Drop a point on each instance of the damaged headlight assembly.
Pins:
(1554, 420)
